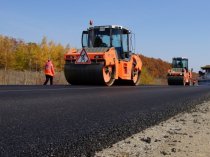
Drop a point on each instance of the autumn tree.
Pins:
(7, 48)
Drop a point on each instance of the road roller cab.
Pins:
(106, 57)
(179, 74)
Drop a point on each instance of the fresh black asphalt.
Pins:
(79, 120)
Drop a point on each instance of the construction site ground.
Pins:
(187, 134)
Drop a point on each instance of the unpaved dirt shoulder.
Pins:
(186, 134)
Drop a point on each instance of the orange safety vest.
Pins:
(49, 69)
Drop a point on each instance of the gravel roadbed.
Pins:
(186, 134)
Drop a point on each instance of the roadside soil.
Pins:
(185, 135)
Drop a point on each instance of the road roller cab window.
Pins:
(126, 37)
(108, 36)
(85, 39)
(180, 63)
(116, 42)
(185, 64)
(99, 37)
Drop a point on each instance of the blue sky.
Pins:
(163, 28)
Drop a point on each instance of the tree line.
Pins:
(18, 55)
(157, 68)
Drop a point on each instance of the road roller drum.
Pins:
(175, 80)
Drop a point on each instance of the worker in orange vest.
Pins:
(49, 72)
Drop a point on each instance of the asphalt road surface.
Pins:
(79, 120)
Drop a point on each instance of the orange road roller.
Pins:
(179, 74)
(105, 58)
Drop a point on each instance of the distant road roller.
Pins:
(179, 74)
(105, 58)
